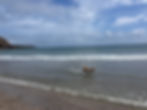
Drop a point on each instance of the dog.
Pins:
(88, 70)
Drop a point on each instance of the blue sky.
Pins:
(73, 22)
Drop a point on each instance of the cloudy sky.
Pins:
(73, 22)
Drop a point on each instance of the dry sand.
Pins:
(23, 98)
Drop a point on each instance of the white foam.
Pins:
(90, 57)
(46, 87)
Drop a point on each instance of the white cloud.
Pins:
(127, 20)
(139, 32)
(73, 23)
(143, 1)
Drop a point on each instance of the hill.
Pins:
(5, 44)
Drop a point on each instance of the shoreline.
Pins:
(21, 97)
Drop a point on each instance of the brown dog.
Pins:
(87, 69)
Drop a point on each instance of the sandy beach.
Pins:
(73, 54)
(17, 97)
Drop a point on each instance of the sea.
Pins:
(120, 74)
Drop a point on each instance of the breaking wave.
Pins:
(94, 57)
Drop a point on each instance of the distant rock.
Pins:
(4, 44)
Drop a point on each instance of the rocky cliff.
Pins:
(4, 44)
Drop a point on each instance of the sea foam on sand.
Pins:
(68, 91)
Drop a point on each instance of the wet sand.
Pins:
(24, 98)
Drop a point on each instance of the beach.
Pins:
(73, 55)
(14, 97)
(43, 79)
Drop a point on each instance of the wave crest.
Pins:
(73, 57)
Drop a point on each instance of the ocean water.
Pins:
(120, 76)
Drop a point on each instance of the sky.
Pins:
(73, 22)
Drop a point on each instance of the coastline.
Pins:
(16, 97)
